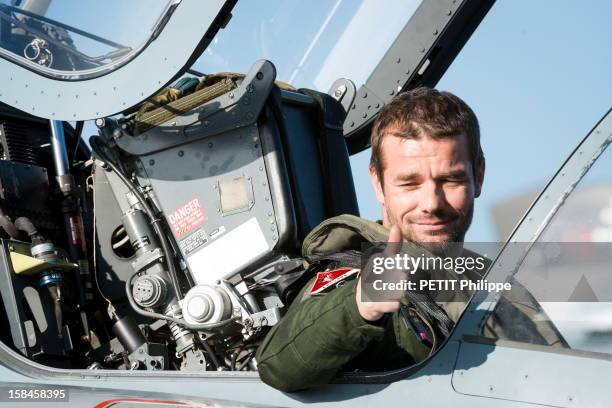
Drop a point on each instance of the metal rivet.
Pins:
(423, 50)
(377, 105)
(181, 153)
(259, 75)
(365, 115)
(365, 94)
(151, 162)
(352, 124)
(392, 92)
(435, 32)
(210, 145)
(449, 12)
(397, 61)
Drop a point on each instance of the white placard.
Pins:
(228, 253)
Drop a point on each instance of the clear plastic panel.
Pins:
(78, 39)
(311, 43)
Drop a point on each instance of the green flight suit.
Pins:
(324, 333)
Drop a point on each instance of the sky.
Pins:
(537, 74)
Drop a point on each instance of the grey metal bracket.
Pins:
(343, 90)
(235, 109)
(365, 106)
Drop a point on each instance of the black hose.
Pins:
(211, 353)
(78, 130)
(155, 222)
(233, 361)
(249, 357)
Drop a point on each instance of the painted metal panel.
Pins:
(535, 374)
(123, 88)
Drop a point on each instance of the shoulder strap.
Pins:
(349, 258)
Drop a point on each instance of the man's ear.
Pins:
(376, 183)
(480, 172)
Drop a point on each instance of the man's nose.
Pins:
(432, 199)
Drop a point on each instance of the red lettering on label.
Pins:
(187, 217)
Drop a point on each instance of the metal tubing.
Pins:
(58, 143)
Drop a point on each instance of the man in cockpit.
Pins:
(427, 167)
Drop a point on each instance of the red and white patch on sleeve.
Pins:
(329, 278)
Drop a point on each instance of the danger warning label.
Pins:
(187, 217)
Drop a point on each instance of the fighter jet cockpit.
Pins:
(162, 161)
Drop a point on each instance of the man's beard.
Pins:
(460, 225)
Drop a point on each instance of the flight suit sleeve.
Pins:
(318, 335)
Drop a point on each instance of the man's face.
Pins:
(429, 187)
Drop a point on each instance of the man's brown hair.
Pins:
(425, 112)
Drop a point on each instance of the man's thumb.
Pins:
(395, 240)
